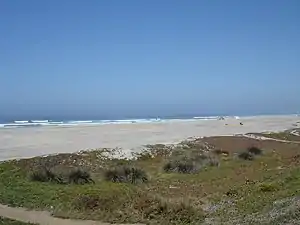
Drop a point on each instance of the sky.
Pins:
(138, 58)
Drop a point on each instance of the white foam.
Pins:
(205, 117)
(40, 121)
(80, 121)
(21, 121)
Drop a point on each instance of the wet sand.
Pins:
(29, 142)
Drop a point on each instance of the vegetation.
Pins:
(79, 176)
(255, 151)
(5, 221)
(246, 156)
(189, 183)
(125, 174)
(75, 176)
(45, 175)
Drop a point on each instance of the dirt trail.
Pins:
(42, 217)
(258, 137)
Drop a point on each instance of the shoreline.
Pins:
(29, 142)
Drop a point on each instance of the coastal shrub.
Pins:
(45, 175)
(180, 166)
(79, 176)
(192, 163)
(246, 156)
(254, 150)
(126, 174)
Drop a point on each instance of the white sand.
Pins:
(28, 142)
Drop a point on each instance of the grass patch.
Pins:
(6, 221)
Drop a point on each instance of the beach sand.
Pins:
(28, 142)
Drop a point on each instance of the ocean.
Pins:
(49, 122)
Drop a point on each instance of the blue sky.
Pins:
(129, 58)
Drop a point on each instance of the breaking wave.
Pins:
(38, 123)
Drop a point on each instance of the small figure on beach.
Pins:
(241, 123)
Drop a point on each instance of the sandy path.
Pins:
(258, 137)
(29, 142)
(295, 132)
(42, 218)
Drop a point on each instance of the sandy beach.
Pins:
(29, 142)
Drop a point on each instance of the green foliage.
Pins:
(45, 175)
(192, 161)
(79, 176)
(254, 150)
(246, 156)
(126, 174)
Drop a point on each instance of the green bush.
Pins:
(190, 163)
(182, 166)
(246, 156)
(45, 175)
(79, 176)
(254, 150)
(125, 174)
